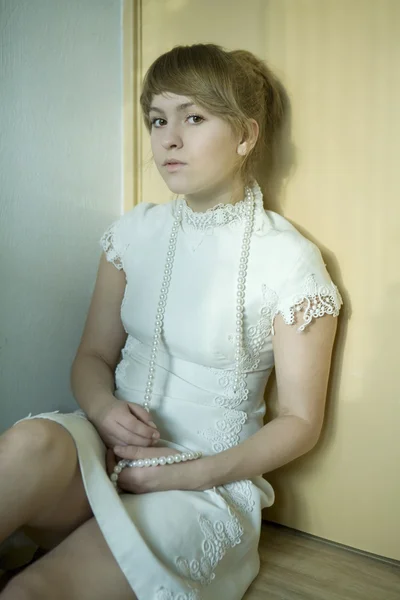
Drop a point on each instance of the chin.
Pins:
(178, 187)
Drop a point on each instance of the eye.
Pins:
(197, 122)
(196, 117)
(153, 121)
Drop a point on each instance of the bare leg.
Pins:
(80, 568)
(42, 489)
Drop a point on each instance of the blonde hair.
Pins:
(235, 86)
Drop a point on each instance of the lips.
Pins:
(173, 162)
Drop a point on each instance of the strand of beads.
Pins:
(152, 462)
(240, 300)
(241, 286)
(240, 295)
(159, 322)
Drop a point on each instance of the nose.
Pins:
(171, 138)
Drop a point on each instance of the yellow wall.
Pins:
(340, 62)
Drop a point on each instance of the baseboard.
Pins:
(384, 559)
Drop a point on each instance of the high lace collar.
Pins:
(221, 214)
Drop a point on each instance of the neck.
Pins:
(221, 193)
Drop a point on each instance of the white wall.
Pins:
(60, 186)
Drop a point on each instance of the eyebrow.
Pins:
(179, 108)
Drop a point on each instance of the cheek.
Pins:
(213, 146)
(154, 146)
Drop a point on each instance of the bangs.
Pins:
(198, 72)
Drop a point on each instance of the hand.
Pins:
(121, 423)
(149, 479)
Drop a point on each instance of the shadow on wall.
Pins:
(289, 505)
(278, 162)
(282, 162)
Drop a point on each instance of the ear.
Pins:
(249, 138)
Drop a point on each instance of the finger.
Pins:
(142, 414)
(128, 452)
(134, 425)
(112, 441)
(131, 439)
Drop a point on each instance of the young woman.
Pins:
(154, 490)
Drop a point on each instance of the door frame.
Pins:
(131, 114)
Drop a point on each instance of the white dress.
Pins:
(192, 545)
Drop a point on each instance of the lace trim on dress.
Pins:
(218, 538)
(241, 495)
(164, 594)
(110, 246)
(226, 433)
(314, 301)
(256, 335)
(222, 214)
(227, 430)
(127, 354)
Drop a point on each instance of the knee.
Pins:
(24, 587)
(36, 437)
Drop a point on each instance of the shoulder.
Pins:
(301, 273)
(145, 219)
(142, 216)
(145, 212)
(295, 275)
(287, 243)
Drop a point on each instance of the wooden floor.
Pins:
(295, 567)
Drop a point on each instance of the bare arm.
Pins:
(92, 374)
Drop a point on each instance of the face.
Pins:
(204, 143)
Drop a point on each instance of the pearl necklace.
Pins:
(240, 295)
(171, 459)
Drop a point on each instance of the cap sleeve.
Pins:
(118, 236)
(111, 244)
(308, 291)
